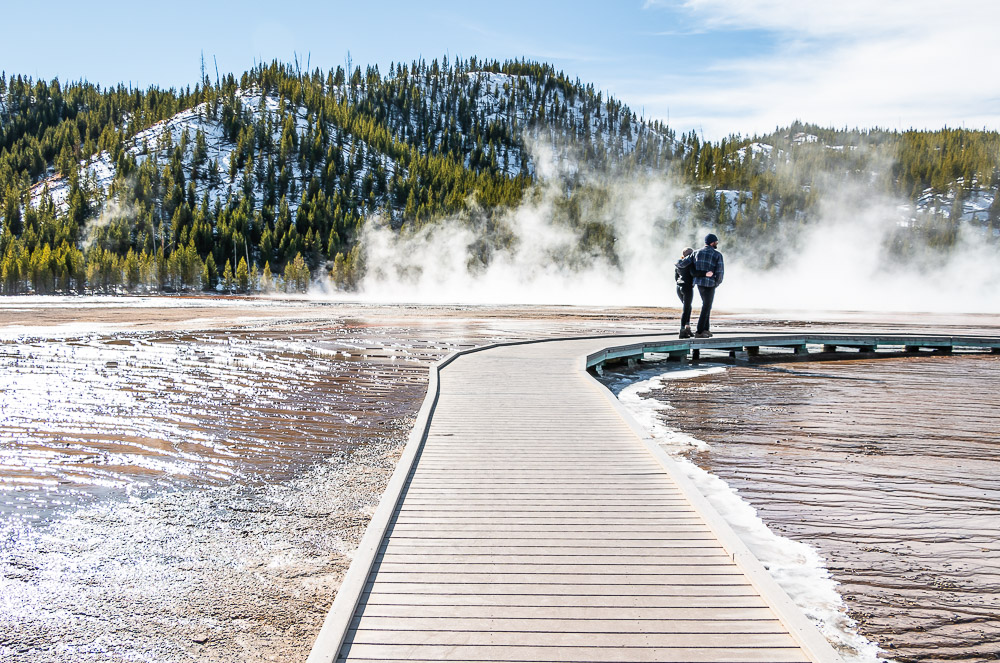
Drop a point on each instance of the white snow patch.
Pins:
(802, 137)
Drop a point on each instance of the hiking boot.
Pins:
(703, 334)
(686, 333)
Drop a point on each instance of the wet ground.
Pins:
(187, 479)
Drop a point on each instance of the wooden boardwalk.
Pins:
(529, 520)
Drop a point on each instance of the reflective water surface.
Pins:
(190, 496)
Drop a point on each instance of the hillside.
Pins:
(279, 165)
(270, 180)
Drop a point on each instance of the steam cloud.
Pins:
(111, 211)
(532, 255)
(544, 262)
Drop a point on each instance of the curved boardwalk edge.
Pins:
(866, 346)
(338, 619)
(338, 623)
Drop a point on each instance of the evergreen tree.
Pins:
(266, 280)
(209, 274)
(297, 275)
(242, 276)
(228, 280)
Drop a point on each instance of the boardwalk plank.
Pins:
(534, 568)
(726, 587)
(543, 542)
(661, 549)
(564, 625)
(576, 579)
(572, 654)
(415, 602)
(654, 615)
(422, 527)
(425, 556)
(457, 637)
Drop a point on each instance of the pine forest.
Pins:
(266, 181)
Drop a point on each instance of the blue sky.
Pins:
(715, 66)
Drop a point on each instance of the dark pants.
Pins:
(686, 295)
(707, 296)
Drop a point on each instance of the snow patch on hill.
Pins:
(974, 204)
(214, 180)
(755, 150)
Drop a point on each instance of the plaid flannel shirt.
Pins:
(707, 259)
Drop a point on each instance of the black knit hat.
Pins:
(710, 239)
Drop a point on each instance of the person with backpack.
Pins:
(684, 276)
(708, 268)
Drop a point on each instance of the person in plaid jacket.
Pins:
(709, 270)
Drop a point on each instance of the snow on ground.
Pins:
(755, 150)
(975, 203)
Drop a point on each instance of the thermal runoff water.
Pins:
(874, 481)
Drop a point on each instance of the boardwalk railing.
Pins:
(799, 344)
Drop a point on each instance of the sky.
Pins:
(718, 67)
